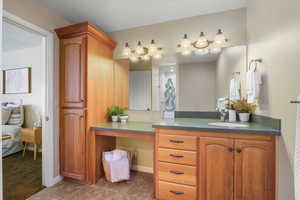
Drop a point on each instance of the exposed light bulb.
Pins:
(202, 52)
(139, 49)
(185, 43)
(202, 41)
(220, 38)
(126, 51)
(152, 48)
(215, 48)
(186, 51)
(146, 57)
(158, 54)
(134, 58)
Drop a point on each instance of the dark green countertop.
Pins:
(185, 124)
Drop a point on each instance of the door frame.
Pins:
(48, 128)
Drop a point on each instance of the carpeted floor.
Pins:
(22, 176)
(139, 188)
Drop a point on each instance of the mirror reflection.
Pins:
(190, 82)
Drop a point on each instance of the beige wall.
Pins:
(232, 59)
(197, 87)
(33, 102)
(36, 13)
(168, 34)
(273, 35)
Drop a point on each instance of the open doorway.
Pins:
(27, 95)
(23, 101)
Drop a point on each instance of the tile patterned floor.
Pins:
(139, 188)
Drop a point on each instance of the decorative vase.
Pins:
(114, 118)
(244, 117)
(232, 115)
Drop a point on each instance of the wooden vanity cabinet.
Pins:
(72, 142)
(216, 162)
(230, 166)
(254, 170)
(121, 82)
(86, 91)
(73, 72)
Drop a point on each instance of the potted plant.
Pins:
(114, 112)
(244, 109)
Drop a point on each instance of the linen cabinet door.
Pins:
(216, 161)
(72, 143)
(121, 82)
(254, 170)
(73, 72)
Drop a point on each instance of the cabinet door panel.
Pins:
(121, 82)
(254, 170)
(215, 169)
(73, 72)
(72, 143)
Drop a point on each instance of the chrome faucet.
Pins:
(223, 115)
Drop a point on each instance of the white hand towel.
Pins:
(297, 155)
(253, 84)
(235, 89)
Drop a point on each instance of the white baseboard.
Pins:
(56, 180)
(140, 168)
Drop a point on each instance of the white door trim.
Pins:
(48, 136)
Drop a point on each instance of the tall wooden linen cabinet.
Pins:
(87, 89)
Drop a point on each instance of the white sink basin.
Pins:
(228, 124)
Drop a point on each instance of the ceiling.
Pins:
(114, 15)
(15, 38)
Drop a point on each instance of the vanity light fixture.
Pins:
(202, 46)
(141, 52)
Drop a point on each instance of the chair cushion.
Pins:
(17, 114)
(5, 115)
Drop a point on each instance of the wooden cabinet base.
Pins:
(172, 191)
(224, 166)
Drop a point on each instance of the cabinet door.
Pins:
(121, 82)
(254, 170)
(216, 169)
(73, 72)
(72, 143)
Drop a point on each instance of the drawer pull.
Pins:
(177, 141)
(176, 172)
(239, 150)
(176, 156)
(176, 193)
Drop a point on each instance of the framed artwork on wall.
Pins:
(17, 81)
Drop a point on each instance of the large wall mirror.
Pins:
(198, 80)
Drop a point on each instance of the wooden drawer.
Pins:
(172, 191)
(178, 142)
(177, 173)
(177, 156)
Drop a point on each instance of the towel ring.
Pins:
(255, 61)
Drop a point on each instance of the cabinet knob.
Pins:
(239, 150)
(176, 193)
(230, 149)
